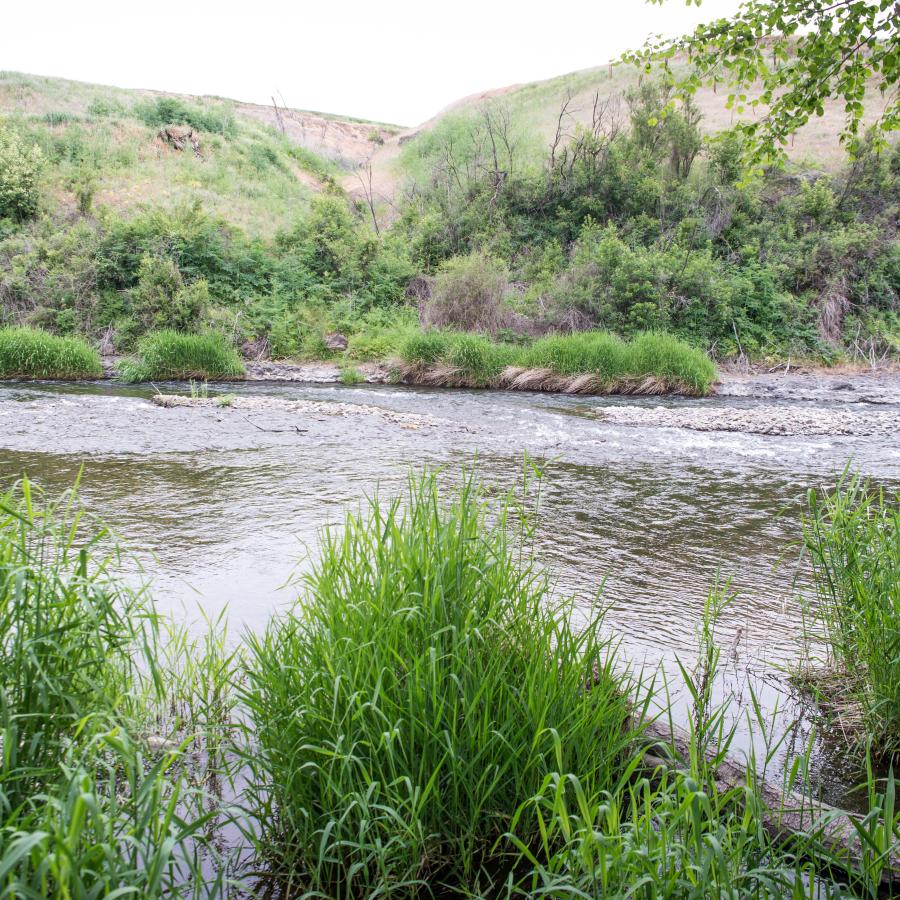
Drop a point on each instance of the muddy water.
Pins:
(222, 505)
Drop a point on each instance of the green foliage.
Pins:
(623, 230)
(32, 353)
(86, 811)
(852, 535)
(423, 687)
(170, 355)
(628, 223)
(105, 107)
(216, 117)
(162, 299)
(476, 361)
(787, 59)
(350, 375)
(20, 167)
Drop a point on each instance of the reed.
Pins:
(423, 687)
(852, 536)
(30, 353)
(174, 356)
(86, 809)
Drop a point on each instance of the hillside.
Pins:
(534, 111)
(126, 212)
(255, 165)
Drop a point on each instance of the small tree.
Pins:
(785, 58)
(19, 172)
(161, 299)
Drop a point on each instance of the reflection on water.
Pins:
(221, 513)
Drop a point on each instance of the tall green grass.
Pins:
(85, 809)
(659, 360)
(423, 722)
(172, 355)
(32, 353)
(852, 535)
(422, 689)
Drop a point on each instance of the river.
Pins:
(222, 505)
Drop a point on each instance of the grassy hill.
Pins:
(256, 166)
(273, 226)
(534, 113)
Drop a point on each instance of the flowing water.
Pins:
(222, 505)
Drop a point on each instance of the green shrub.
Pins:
(214, 117)
(424, 687)
(20, 167)
(32, 353)
(852, 535)
(104, 108)
(161, 299)
(170, 355)
(468, 294)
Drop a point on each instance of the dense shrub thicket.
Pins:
(638, 223)
(629, 224)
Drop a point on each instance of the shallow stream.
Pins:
(221, 505)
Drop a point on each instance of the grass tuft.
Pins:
(32, 353)
(420, 691)
(583, 362)
(87, 811)
(171, 355)
(852, 535)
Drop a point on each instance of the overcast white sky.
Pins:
(397, 61)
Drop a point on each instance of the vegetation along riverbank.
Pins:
(627, 222)
(423, 719)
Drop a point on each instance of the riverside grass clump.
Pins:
(423, 687)
(86, 809)
(171, 355)
(593, 362)
(32, 353)
(852, 536)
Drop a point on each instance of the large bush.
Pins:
(19, 170)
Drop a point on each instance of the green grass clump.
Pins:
(425, 347)
(86, 810)
(421, 690)
(575, 354)
(653, 356)
(171, 355)
(32, 353)
(852, 535)
(350, 375)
